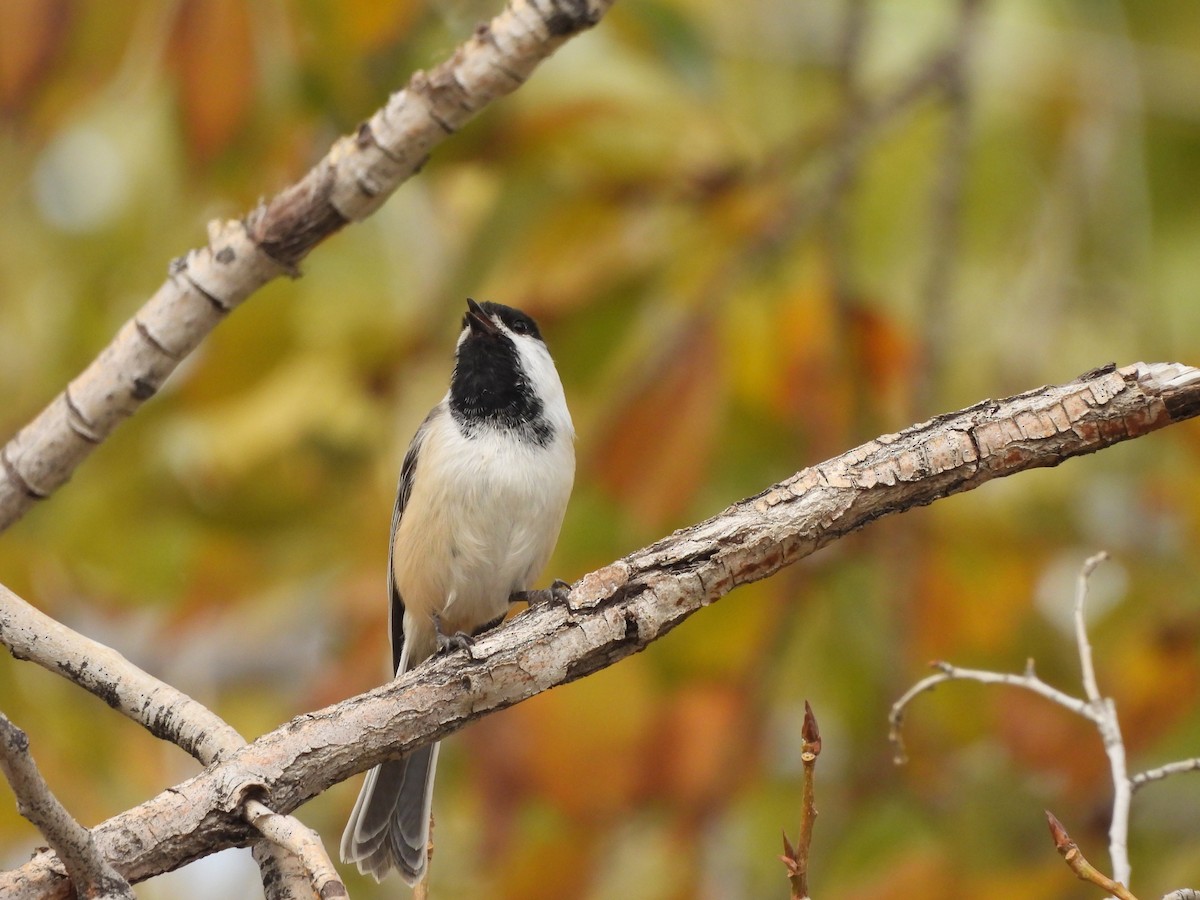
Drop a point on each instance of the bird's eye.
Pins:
(520, 327)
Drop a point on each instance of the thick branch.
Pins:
(618, 610)
(353, 180)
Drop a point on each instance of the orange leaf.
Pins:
(656, 448)
(213, 56)
(32, 32)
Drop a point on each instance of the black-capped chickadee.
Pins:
(483, 489)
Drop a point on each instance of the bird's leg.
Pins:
(460, 640)
(558, 592)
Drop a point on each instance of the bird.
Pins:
(483, 491)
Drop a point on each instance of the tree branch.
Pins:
(356, 176)
(169, 714)
(88, 871)
(619, 609)
(162, 710)
(1141, 779)
(1078, 863)
(796, 859)
(1097, 708)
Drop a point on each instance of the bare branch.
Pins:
(164, 711)
(796, 858)
(1028, 680)
(356, 176)
(87, 869)
(619, 609)
(1141, 779)
(1098, 709)
(1090, 686)
(1083, 869)
(1104, 714)
(302, 843)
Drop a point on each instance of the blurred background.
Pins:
(755, 235)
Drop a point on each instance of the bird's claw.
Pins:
(559, 592)
(447, 643)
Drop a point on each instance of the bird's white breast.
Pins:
(481, 522)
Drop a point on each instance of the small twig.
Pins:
(288, 833)
(1096, 708)
(89, 871)
(796, 858)
(1105, 716)
(1083, 869)
(1141, 779)
(947, 672)
(1090, 685)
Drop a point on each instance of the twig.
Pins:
(1104, 714)
(1028, 680)
(620, 609)
(1141, 779)
(1075, 859)
(796, 858)
(86, 867)
(1097, 708)
(1090, 686)
(303, 843)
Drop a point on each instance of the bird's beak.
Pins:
(480, 322)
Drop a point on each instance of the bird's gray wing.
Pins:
(408, 474)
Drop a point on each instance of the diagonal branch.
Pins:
(91, 873)
(171, 715)
(164, 711)
(356, 176)
(619, 609)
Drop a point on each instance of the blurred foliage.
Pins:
(724, 216)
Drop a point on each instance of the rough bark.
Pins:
(619, 609)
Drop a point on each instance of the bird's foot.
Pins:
(559, 592)
(446, 643)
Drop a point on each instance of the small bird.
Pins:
(483, 490)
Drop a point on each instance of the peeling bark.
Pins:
(619, 609)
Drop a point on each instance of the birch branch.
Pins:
(356, 176)
(302, 843)
(1104, 711)
(164, 711)
(90, 872)
(169, 714)
(619, 609)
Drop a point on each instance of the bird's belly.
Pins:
(485, 528)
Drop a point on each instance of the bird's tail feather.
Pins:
(389, 827)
